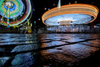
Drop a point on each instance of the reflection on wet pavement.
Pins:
(24, 48)
(3, 60)
(46, 50)
(67, 55)
(23, 60)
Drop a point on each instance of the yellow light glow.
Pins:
(72, 9)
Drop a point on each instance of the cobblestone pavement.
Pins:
(49, 50)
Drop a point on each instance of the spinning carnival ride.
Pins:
(15, 12)
(70, 14)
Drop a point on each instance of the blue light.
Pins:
(12, 8)
(7, 26)
(74, 18)
(33, 9)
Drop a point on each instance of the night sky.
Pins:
(39, 6)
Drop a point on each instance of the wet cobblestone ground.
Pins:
(49, 50)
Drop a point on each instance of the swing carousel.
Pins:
(70, 14)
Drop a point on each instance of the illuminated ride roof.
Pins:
(18, 14)
(70, 14)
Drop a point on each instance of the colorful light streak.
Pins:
(19, 13)
(76, 13)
